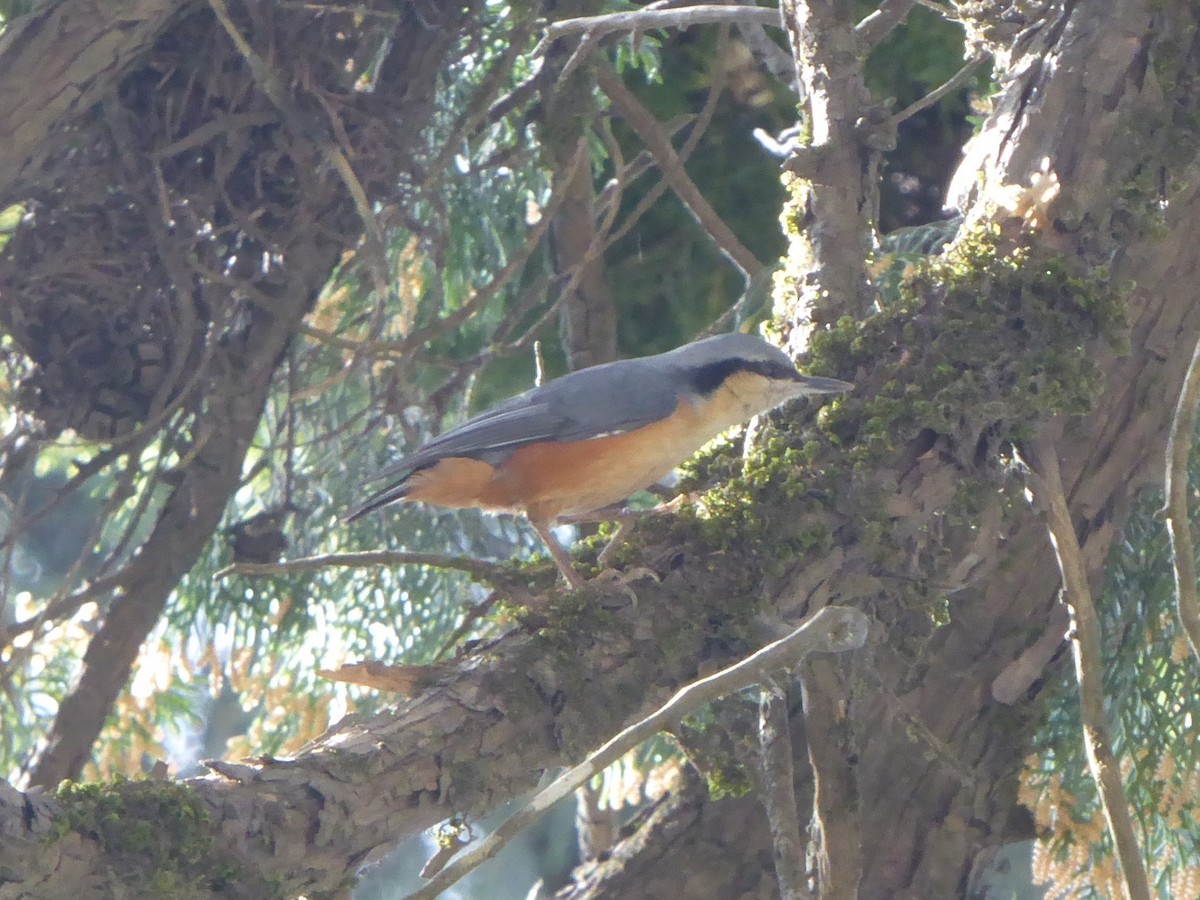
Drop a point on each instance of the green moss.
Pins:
(728, 781)
(157, 837)
(979, 345)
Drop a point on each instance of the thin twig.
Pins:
(879, 24)
(643, 20)
(650, 131)
(1179, 450)
(836, 831)
(779, 793)
(477, 568)
(833, 629)
(1085, 648)
(955, 81)
(274, 90)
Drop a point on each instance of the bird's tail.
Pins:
(378, 500)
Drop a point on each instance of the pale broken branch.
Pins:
(476, 568)
(1179, 449)
(1047, 487)
(833, 629)
(643, 20)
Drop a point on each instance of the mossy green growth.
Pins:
(980, 345)
(156, 836)
(728, 781)
(980, 338)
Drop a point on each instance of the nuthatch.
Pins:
(586, 441)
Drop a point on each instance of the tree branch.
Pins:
(835, 816)
(1179, 523)
(1089, 669)
(477, 568)
(778, 792)
(952, 83)
(835, 198)
(649, 130)
(879, 24)
(774, 59)
(833, 629)
(587, 312)
(641, 20)
(188, 518)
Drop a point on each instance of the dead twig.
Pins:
(1175, 510)
(476, 568)
(1085, 648)
(833, 630)
(779, 793)
(649, 130)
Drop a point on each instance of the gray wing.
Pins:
(606, 399)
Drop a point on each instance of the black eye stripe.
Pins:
(709, 377)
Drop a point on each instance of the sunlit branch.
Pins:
(642, 20)
(1179, 451)
(879, 24)
(776, 60)
(833, 629)
(474, 567)
(1047, 488)
(648, 129)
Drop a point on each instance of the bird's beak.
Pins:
(814, 384)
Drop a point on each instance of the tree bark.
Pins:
(64, 56)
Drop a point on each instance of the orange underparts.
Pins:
(555, 478)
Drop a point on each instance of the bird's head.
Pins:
(746, 374)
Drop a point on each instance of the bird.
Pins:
(581, 443)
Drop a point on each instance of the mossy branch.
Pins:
(833, 629)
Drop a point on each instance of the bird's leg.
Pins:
(558, 553)
(563, 560)
(617, 539)
(624, 517)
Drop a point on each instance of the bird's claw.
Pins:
(611, 579)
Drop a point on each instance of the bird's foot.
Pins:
(613, 580)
